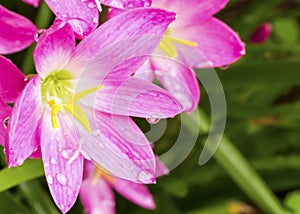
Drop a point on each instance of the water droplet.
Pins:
(224, 67)
(95, 133)
(91, 5)
(145, 177)
(153, 119)
(5, 122)
(95, 20)
(67, 153)
(38, 33)
(101, 145)
(35, 149)
(49, 179)
(53, 161)
(74, 156)
(61, 178)
(147, 4)
(11, 151)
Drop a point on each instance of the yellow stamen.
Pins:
(100, 172)
(167, 44)
(55, 109)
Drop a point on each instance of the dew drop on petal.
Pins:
(145, 176)
(5, 122)
(224, 67)
(95, 20)
(101, 145)
(53, 161)
(38, 33)
(91, 5)
(61, 178)
(49, 179)
(153, 120)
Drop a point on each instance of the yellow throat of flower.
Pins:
(167, 44)
(57, 91)
(101, 173)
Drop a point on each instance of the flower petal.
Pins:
(16, 31)
(135, 97)
(190, 13)
(63, 163)
(217, 42)
(81, 15)
(136, 193)
(119, 147)
(23, 125)
(131, 24)
(97, 197)
(5, 112)
(53, 50)
(179, 80)
(34, 3)
(12, 80)
(126, 4)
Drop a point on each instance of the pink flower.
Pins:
(80, 102)
(96, 191)
(16, 31)
(83, 15)
(261, 34)
(194, 40)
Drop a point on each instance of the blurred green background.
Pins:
(263, 100)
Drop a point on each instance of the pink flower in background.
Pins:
(83, 15)
(194, 40)
(97, 196)
(16, 31)
(12, 82)
(261, 34)
(80, 102)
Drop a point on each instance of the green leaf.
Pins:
(292, 201)
(14, 176)
(286, 30)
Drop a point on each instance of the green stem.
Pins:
(43, 18)
(240, 170)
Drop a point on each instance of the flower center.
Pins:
(57, 90)
(101, 173)
(167, 44)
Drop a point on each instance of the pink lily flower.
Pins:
(83, 15)
(194, 40)
(96, 190)
(80, 102)
(16, 31)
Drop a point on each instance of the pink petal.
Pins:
(161, 169)
(81, 15)
(191, 12)
(63, 164)
(131, 24)
(12, 80)
(96, 197)
(217, 42)
(179, 80)
(34, 3)
(120, 148)
(135, 97)
(146, 72)
(5, 112)
(16, 31)
(23, 125)
(53, 50)
(136, 193)
(126, 4)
